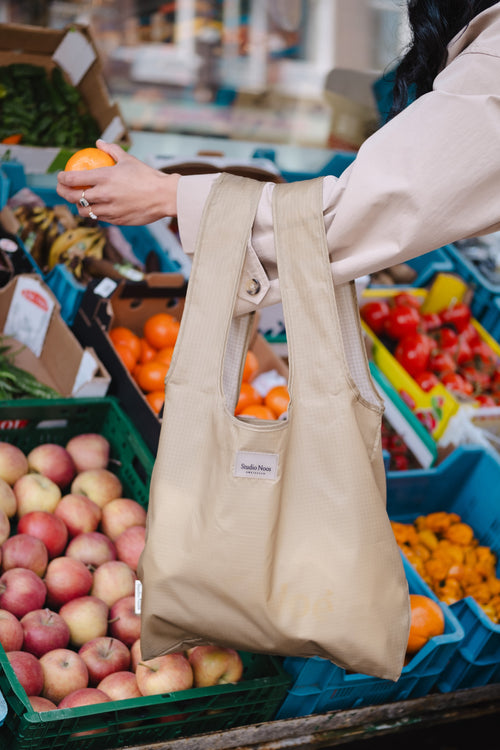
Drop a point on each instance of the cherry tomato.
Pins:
(458, 315)
(400, 462)
(479, 379)
(484, 399)
(455, 382)
(401, 321)
(431, 321)
(446, 338)
(441, 362)
(374, 313)
(427, 380)
(471, 335)
(405, 298)
(464, 352)
(412, 352)
(484, 356)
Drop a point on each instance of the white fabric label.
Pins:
(256, 465)
(138, 597)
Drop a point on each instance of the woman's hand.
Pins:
(130, 193)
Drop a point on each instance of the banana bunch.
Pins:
(38, 228)
(74, 245)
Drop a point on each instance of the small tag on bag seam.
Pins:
(256, 465)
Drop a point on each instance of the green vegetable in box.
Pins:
(39, 108)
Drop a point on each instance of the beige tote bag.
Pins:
(272, 536)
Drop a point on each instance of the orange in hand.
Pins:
(427, 621)
(88, 158)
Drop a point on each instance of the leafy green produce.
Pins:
(43, 108)
(18, 383)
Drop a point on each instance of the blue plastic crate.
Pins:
(337, 162)
(427, 266)
(4, 188)
(485, 292)
(3, 709)
(67, 289)
(322, 686)
(466, 482)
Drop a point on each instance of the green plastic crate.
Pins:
(28, 422)
(256, 698)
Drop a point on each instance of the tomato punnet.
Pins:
(413, 352)
(458, 315)
(374, 314)
(401, 321)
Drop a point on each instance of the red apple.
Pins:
(135, 654)
(66, 578)
(112, 581)
(215, 665)
(11, 631)
(100, 485)
(89, 450)
(28, 671)
(8, 502)
(164, 674)
(104, 655)
(44, 631)
(36, 492)
(4, 526)
(86, 617)
(21, 590)
(119, 514)
(92, 548)
(54, 462)
(124, 622)
(84, 697)
(40, 704)
(120, 685)
(79, 513)
(13, 463)
(47, 527)
(63, 672)
(130, 544)
(25, 551)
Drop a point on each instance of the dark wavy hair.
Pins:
(433, 24)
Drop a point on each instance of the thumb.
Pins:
(113, 149)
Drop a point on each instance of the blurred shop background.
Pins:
(299, 72)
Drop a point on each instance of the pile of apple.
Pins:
(69, 549)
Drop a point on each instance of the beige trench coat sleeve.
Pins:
(429, 177)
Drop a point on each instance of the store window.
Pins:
(244, 69)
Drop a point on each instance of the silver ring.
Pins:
(92, 214)
(83, 201)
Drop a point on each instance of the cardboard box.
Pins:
(74, 51)
(32, 324)
(107, 304)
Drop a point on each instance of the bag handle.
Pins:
(214, 281)
(314, 336)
